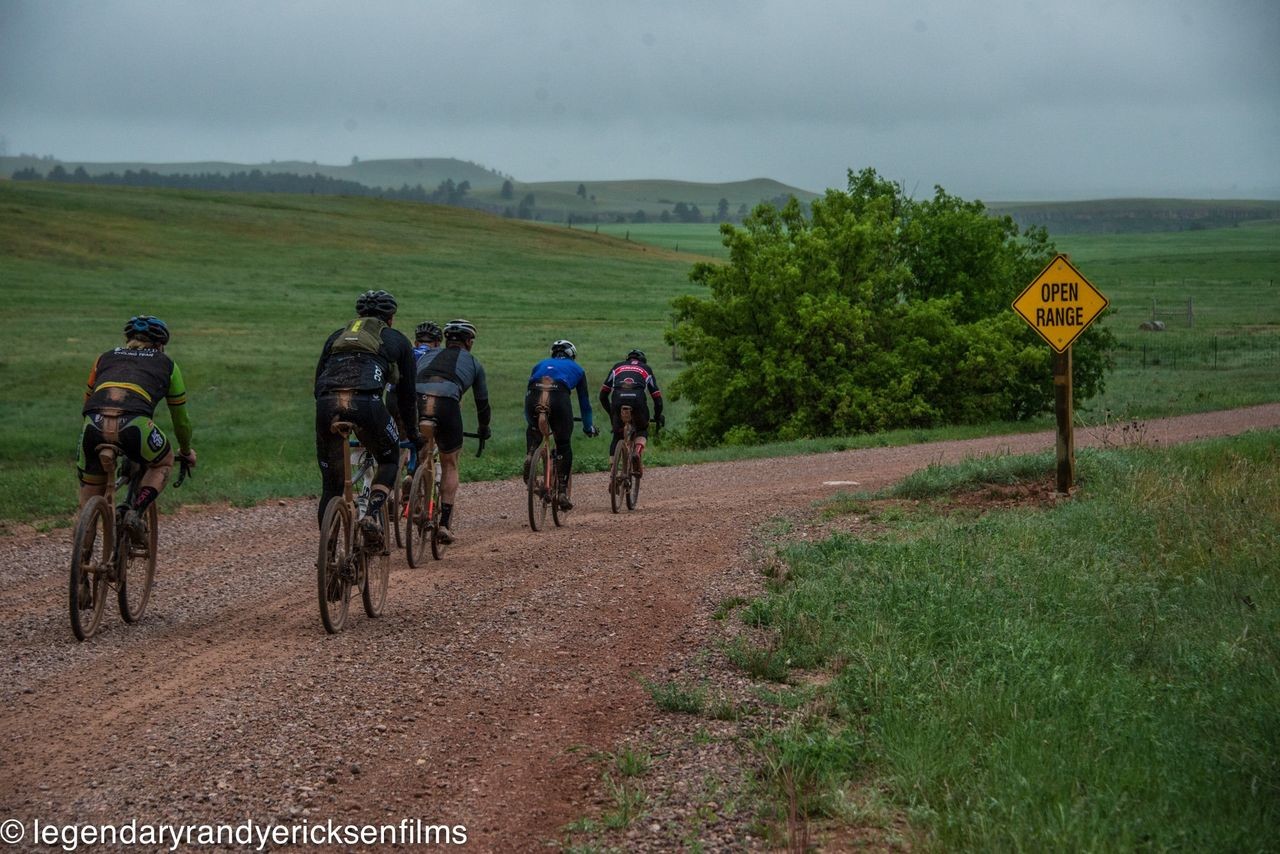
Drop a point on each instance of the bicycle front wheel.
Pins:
(417, 529)
(377, 576)
(333, 581)
(538, 489)
(137, 566)
(91, 563)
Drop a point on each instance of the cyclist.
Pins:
(626, 385)
(356, 364)
(565, 374)
(120, 398)
(426, 337)
(444, 375)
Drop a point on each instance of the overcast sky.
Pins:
(998, 100)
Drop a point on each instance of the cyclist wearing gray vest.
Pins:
(444, 375)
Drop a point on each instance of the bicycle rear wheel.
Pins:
(617, 478)
(632, 485)
(418, 525)
(377, 575)
(538, 489)
(558, 514)
(91, 561)
(438, 546)
(137, 568)
(333, 582)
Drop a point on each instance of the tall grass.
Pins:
(1100, 676)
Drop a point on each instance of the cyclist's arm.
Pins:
(480, 391)
(584, 403)
(407, 393)
(605, 390)
(324, 357)
(93, 378)
(176, 397)
(656, 394)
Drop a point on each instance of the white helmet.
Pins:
(564, 348)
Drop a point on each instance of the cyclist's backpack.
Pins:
(362, 335)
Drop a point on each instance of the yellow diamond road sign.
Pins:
(1060, 303)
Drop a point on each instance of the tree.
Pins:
(508, 190)
(525, 209)
(722, 211)
(873, 312)
(582, 190)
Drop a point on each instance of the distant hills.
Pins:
(467, 184)
(486, 189)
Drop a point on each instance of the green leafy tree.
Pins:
(871, 312)
(508, 190)
(582, 190)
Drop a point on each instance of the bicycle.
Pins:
(624, 483)
(346, 559)
(105, 555)
(543, 483)
(424, 505)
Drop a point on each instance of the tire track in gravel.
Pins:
(476, 700)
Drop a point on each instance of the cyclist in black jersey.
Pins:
(626, 385)
(125, 386)
(356, 365)
(444, 375)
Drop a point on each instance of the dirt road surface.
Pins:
(474, 701)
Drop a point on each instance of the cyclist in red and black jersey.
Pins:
(120, 399)
(357, 363)
(626, 385)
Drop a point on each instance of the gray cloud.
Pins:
(998, 99)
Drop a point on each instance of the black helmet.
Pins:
(146, 326)
(459, 330)
(427, 330)
(637, 354)
(564, 348)
(376, 304)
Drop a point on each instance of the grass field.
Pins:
(252, 284)
(1100, 675)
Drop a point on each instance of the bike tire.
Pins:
(632, 486)
(332, 585)
(616, 479)
(537, 488)
(91, 561)
(137, 569)
(438, 546)
(558, 514)
(418, 527)
(398, 499)
(377, 575)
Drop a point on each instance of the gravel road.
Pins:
(476, 700)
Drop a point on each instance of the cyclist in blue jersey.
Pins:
(427, 337)
(566, 375)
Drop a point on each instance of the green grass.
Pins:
(1099, 676)
(252, 284)
(677, 698)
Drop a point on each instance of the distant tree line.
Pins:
(256, 181)
(447, 192)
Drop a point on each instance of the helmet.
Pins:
(459, 330)
(637, 354)
(376, 304)
(427, 330)
(146, 326)
(564, 348)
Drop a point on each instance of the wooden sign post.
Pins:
(1060, 303)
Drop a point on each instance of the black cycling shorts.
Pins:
(447, 414)
(639, 404)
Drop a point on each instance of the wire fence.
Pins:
(1208, 351)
